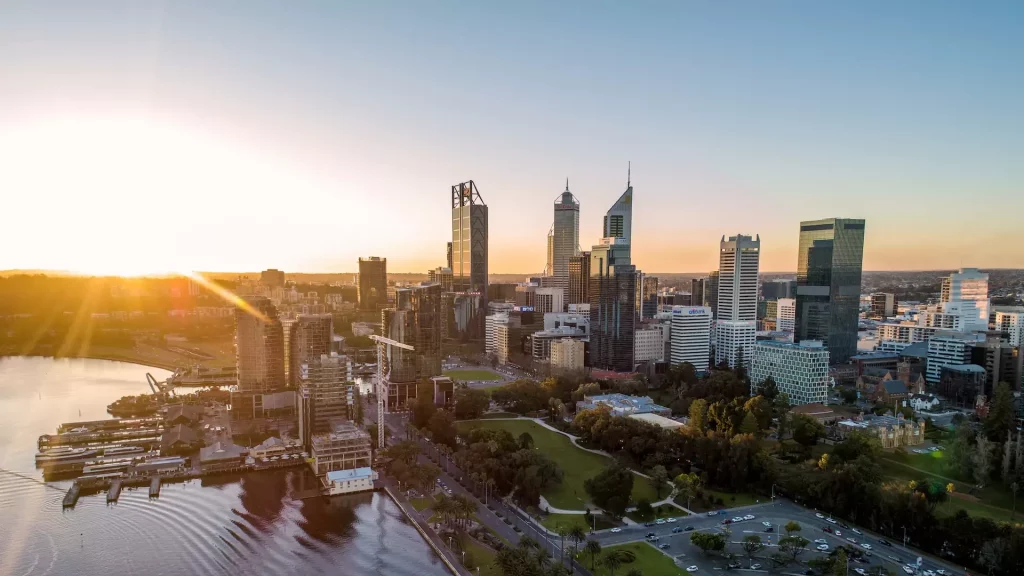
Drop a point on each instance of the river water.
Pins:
(238, 525)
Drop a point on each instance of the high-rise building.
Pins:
(698, 290)
(1002, 361)
(883, 305)
(549, 300)
(736, 323)
(415, 320)
(799, 370)
(711, 293)
(948, 349)
(567, 354)
(969, 288)
(449, 259)
(646, 296)
(618, 221)
(785, 315)
(259, 358)
(373, 283)
(829, 265)
(326, 393)
(579, 279)
(549, 267)
(690, 339)
(565, 235)
(469, 239)
(778, 288)
(612, 304)
(309, 337)
(649, 344)
(442, 276)
(272, 278)
(1011, 323)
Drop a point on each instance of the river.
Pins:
(246, 524)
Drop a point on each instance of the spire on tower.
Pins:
(629, 173)
(566, 183)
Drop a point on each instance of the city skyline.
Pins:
(209, 123)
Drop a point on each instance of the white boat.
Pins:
(64, 453)
(122, 450)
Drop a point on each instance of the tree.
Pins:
(761, 408)
(840, 566)
(793, 546)
(769, 389)
(525, 441)
(576, 535)
(961, 451)
(849, 396)
(708, 542)
(792, 527)
(752, 545)
(807, 430)
(635, 572)
(442, 427)
(644, 509)
(1000, 419)
(749, 425)
(423, 407)
(556, 409)
(698, 414)
(470, 403)
(584, 390)
(660, 477)
(610, 489)
(982, 460)
(687, 486)
(612, 563)
(592, 547)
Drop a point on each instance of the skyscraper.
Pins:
(272, 278)
(646, 296)
(326, 392)
(736, 326)
(612, 305)
(829, 265)
(579, 279)
(565, 235)
(259, 358)
(469, 239)
(309, 338)
(549, 268)
(690, 337)
(373, 283)
(415, 320)
(618, 221)
(711, 293)
(698, 288)
(969, 288)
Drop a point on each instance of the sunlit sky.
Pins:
(142, 137)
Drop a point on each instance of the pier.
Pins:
(154, 487)
(115, 490)
(71, 498)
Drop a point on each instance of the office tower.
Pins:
(442, 276)
(618, 221)
(649, 344)
(469, 239)
(415, 320)
(799, 370)
(690, 338)
(526, 294)
(969, 288)
(373, 283)
(775, 289)
(565, 235)
(948, 349)
(736, 323)
(829, 264)
(697, 291)
(259, 359)
(309, 336)
(612, 305)
(449, 260)
(549, 300)
(785, 315)
(1011, 323)
(883, 305)
(272, 278)
(711, 293)
(567, 354)
(646, 296)
(1002, 361)
(326, 393)
(579, 279)
(549, 267)
(496, 338)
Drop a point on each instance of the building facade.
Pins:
(647, 296)
(309, 337)
(272, 278)
(799, 370)
(565, 235)
(442, 276)
(259, 358)
(326, 394)
(344, 447)
(883, 305)
(567, 354)
(969, 288)
(690, 337)
(648, 345)
(579, 279)
(373, 283)
(736, 323)
(947, 349)
(785, 319)
(1012, 325)
(612, 304)
(829, 265)
(469, 239)
(416, 321)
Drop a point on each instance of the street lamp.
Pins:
(773, 493)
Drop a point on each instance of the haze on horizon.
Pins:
(142, 137)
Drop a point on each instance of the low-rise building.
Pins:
(343, 448)
(961, 384)
(221, 456)
(622, 405)
(799, 370)
(567, 354)
(892, 431)
(179, 439)
(348, 481)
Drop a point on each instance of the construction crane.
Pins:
(382, 390)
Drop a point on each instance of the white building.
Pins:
(567, 354)
(541, 341)
(1012, 323)
(736, 324)
(905, 332)
(347, 481)
(690, 336)
(496, 335)
(969, 287)
(556, 320)
(549, 300)
(648, 345)
(785, 318)
(580, 310)
(799, 370)
(945, 316)
(949, 349)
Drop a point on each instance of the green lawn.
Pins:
(649, 560)
(578, 465)
(482, 557)
(994, 502)
(466, 375)
(490, 415)
(663, 511)
(729, 500)
(552, 521)
(421, 504)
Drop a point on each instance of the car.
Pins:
(648, 524)
(895, 559)
(670, 520)
(826, 529)
(651, 534)
(677, 530)
(821, 541)
(691, 569)
(831, 520)
(823, 547)
(712, 513)
(851, 540)
(838, 532)
(928, 573)
(845, 525)
(737, 518)
(908, 569)
(884, 542)
(654, 539)
(688, 528)
(663, 546)
(769, 529)
(734, 565)
(749, 517)
(860, 571)
(855, 531)
(820, 515)
(616, 530)
(727, 521)
(755, 566)
(765, 523)
(659, 522)
(865, 545)
(941, 572)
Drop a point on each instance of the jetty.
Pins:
(71, 498)
(115, 490)
(154, 487)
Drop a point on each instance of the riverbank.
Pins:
(127, 359)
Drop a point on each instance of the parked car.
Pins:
(616, 530)
(659, 522)
(855, 531)
(908, 569)
(766, 523)
(884, 542)
(821, 541)
(691, 569)
(688, 528)
(860, 571)
(749, 517)
(651, 534)
(663, 546)
(755, 566)
(734, 565)
(826, 529)
(820, 515)
(677, 530)
(737, 518)
(831, 520)
(712, 513)
(823, 547)
(670, 520)
(769, 529)
(865, 545)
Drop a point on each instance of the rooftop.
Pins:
(965, 368)
(915, 350)
(875, 356)
(812, 409)
(814, 345)
(658, 420)
(354, 474)
(220, 451)
(623, 403)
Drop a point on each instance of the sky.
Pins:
(143, 137)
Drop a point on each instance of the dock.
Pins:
(71, 498)
(154, 487)
(115, 490)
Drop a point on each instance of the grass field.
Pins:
(993, 502)
(577, 464)
(649, 561)
(663, 511)
(491, 415)
(421, 504)
(476, 375)
(482, 557)
(730, 500)
(552, 521)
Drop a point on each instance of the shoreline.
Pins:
(137, 361)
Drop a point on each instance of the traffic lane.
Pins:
(487, 517)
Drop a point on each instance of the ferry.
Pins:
(122, 451)
(105, 468)
(64, 453)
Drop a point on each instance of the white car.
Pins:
(851, 540)
(738, 519)
(749, 517)
(755, 566)
(766, 524)
(860, 571)
(616, 530)
(908, 569)
(659, 522)
(865, 546)
(821, 541)
(670, 520)
(712, 513)
(823, 547)
(830, 520)
(820, 515)
(855, 531)
(691, 569)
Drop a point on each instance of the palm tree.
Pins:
(528, 543)
(612, 562)
(577, 534)
(592, 547)
(562, 530)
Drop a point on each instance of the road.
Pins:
(778, 514)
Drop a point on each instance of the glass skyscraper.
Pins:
(829, 266)
(469, 239)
